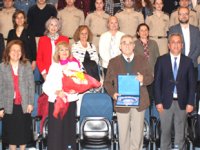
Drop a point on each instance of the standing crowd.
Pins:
(60, 38)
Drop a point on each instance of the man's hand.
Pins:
(60, 93)
(44, 76)
(115, 95)
(29, 109)
(160, 108)
(189, 108)
(1, 113)
(140, 77)
(33, 65)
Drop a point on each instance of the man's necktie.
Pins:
(175, 71)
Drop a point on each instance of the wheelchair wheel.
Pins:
(146, 134)
(45, 129)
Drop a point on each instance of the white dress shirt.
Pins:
(186, 37)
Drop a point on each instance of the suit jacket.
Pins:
(2, 46)
(26, 86)
(44, 53)
(28, 40)
(194, 41)
(164, 82)
(116, 66)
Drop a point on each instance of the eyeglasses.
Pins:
(176, 43)
(127, 43)
(183, 14)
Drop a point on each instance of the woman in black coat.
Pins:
(20, 32)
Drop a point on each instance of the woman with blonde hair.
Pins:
(61, 130)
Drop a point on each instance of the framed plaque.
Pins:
(129, 90)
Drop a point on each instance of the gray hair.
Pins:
(175, 34)
(48, 22)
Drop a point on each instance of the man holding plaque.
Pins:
(174, 92)
(130, 118)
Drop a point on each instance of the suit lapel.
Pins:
(169, 65)
(20, 72)
(181, 32)
(191, 34)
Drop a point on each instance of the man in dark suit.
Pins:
(174, 92)
(190, 34)
(130, 120)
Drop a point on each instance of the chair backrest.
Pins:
(96, 105)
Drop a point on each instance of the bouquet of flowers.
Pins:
(77, 81)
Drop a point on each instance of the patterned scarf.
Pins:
(146, 49)
(53, 38)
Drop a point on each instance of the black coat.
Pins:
(28, 40)
(2, 46)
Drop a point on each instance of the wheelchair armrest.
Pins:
(153, 122)
(153, 119)
(37, 118)
(77, 118)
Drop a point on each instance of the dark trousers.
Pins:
(62, 133)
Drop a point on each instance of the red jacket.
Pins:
(44, 53)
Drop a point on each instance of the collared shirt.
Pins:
(71, 18)
(129, 20)
(177, 62)
(130, 57)
(194, 3)
(6, 21)
(186, 37)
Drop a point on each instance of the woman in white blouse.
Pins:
(109, 42)
(85, 51)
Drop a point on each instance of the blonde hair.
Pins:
(48, 22)
(56, 56)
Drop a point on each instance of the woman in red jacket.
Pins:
(46, 45)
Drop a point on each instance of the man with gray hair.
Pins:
(130, 119)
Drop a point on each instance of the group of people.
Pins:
(141, 39)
